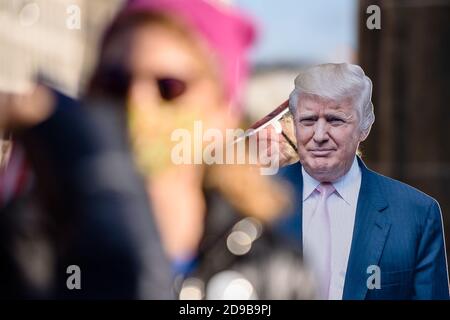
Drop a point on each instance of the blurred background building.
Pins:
(408, 62)
(42, 36)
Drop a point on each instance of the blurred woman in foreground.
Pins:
(175, 62)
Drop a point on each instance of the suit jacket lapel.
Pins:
(369, 235)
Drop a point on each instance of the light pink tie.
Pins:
(319, 247)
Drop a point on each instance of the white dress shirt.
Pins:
(342, 210)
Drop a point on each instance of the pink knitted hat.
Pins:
(227, 32)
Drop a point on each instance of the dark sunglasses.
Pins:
(116, 81)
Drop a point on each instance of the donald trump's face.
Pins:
(328, 135)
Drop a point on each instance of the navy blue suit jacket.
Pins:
(397, 228)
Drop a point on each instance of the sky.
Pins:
(303, 30)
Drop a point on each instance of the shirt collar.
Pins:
(345, 185)
(309, 184)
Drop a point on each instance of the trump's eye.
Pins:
(307, 121)
(335, 121)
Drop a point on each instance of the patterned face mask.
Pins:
(151, 132)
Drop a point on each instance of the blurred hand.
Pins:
(275, 134)
(276, 141)
(19, 111)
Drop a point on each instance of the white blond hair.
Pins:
(337, 82)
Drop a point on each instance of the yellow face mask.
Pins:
(150, 132)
